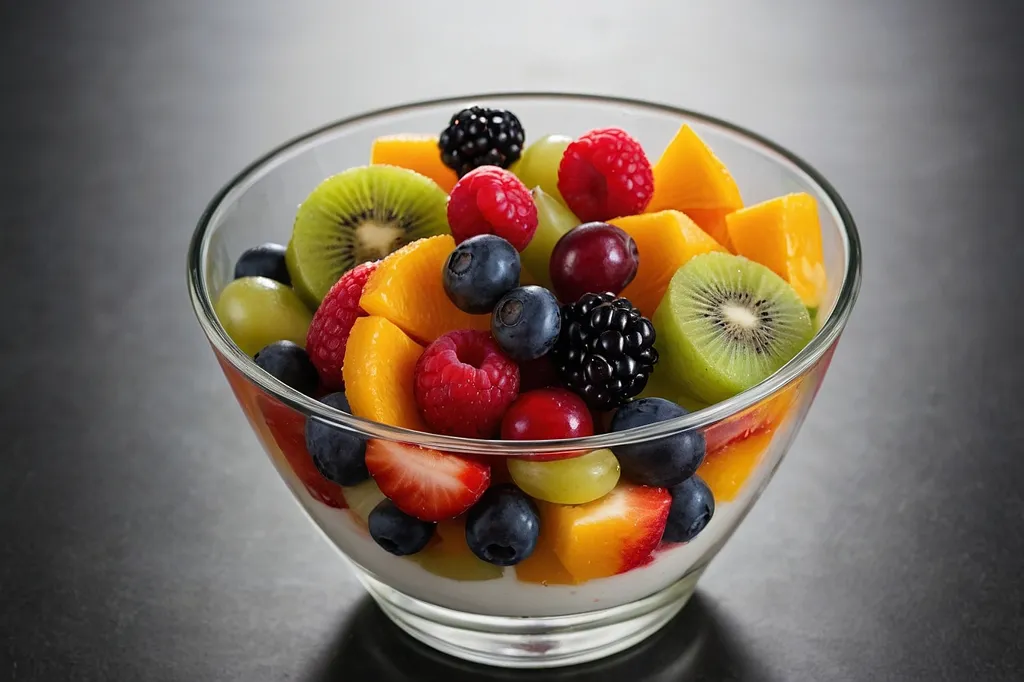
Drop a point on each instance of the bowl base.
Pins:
(547, 642)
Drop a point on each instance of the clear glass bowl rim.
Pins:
(826, 336)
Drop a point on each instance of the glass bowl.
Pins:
(513, 617)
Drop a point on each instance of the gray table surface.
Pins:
(144, 537)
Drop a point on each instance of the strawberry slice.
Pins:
(753, 422)
(288, 429)
(425, 483)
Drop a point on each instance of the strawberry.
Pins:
(754, 421)
(425, 483)
(288, 429)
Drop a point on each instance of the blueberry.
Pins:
(397, 532)
(265, 260)
(693, 505)
(526, 323)
(663, 462)
(503, 526)
(479, 272)
(288, 363)
(338, 455)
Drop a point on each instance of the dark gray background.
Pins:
(144, 537)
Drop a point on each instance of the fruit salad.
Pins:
(476, 284)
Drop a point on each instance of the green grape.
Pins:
(362, 498)
(553, 221)
(576, 480)
(256, 311)
(538, 166)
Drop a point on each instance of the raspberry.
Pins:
(329, 330)
(490, 200)
(464, 384)
(605, 174)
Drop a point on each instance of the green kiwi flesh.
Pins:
(726, 324)
(359, 215)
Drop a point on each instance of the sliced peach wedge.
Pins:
(607, 536)
(727, 469)
(689, 176)
(419, 153)
(379, 363)
(407, 290)
(666, 240)
(543, 566)
(784, 234)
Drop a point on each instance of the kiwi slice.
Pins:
(361, 214)
(727, 323)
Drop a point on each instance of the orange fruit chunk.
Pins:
(379, 363)
(543, 566)
(406, 288)
(451, 557)
(418, 153)
(666, 240)
(607, 536)
(689, 176)
(712, 221)
(784, 234)
(726, 470)
(763, 416)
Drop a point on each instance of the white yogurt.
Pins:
(508, 596)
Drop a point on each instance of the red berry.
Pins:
(547, 414)
(332, 323)
(593, 258)
(425, 483)
(288, 429)
(491, 200)
(757, 419)
(605, 174)
(463, 384)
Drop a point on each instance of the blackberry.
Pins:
(605, 352)
(481, 137)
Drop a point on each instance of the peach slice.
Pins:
(712, 221)
(543, 566)
(418, 153)
(666, 240)
(379, 363)
(406, 288)
(784, 234)
(689, 176)
(607, 536)
(727, 469)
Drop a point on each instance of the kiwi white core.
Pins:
(377, 240)
(739, 315)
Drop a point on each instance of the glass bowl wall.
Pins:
(505, 620)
